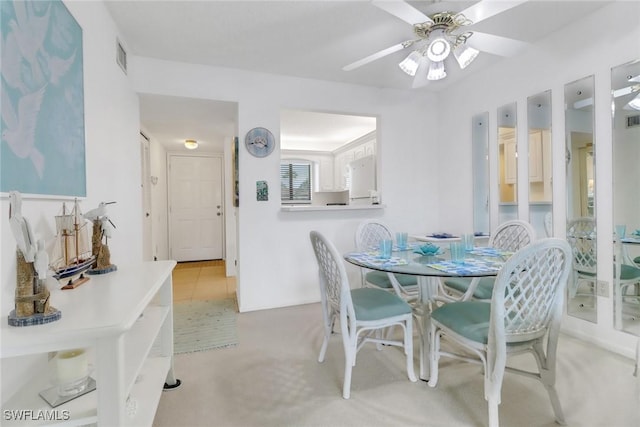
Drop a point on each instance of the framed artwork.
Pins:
(236, 176)
(262, 191)
(43, 134)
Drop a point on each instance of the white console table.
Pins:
(126, 319)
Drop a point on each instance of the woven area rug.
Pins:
(204, 325)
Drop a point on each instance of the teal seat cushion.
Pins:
(586, 273)
(629, 272)
(381, 279)
(637, 260)
(375, 304)
(484, 290)
(467, 318)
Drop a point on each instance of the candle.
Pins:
(71, 365)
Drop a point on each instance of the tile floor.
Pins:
(202, 280)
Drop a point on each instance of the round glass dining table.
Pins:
(429, 266)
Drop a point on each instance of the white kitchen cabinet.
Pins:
(536, 170)
(326, 174)
(341, 170)
(511, 162)
(370, 148)
(125, 318)
(342, 160)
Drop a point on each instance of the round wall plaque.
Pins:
(259, 142)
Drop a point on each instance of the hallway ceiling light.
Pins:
(191, 144)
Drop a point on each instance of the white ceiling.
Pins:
(308, 130)
(309, 39)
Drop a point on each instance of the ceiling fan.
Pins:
(442, 33)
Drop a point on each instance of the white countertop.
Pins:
(307, 208)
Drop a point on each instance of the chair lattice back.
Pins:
(512, 235)
(369, 234)
(333, 276)
(529, 290)
(581, 235)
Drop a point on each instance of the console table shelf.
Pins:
(125, 318)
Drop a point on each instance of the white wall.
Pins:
(585, 48)
(113, 167)
(276, 263)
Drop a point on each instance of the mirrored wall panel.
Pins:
(625, 93)
(540, 163)
(480, 152)
(507, 162)
(581, 221)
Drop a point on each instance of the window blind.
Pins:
(295, 182)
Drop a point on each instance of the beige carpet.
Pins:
(272, 378)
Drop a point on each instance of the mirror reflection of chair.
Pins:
(548, 224)
(581, 235)
(509, 236)
(362, 312)
(368, 236)
(626, 292)
(525, 311)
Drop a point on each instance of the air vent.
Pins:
(633, 121)
(121, 56)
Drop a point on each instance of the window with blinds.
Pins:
(295, 182)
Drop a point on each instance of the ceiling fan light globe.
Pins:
(410, 64)
(635, 103)
(465, 55)
(438, 50)
(436, 71)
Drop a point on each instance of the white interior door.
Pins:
(147, 234)
(195, 207)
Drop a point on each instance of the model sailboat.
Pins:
(72, 250)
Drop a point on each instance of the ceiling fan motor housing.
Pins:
(447, 22)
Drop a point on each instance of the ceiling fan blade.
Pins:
(377, 55)
(496, 45)
(487, 8)
(402, 10)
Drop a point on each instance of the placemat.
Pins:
(468, 266)
(373, 259)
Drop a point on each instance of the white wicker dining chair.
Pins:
(363, 313)
(367, 238)
(509, 236)
(526, 308)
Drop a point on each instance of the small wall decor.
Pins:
(43, 134)
(259, 142)
(262, 191)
